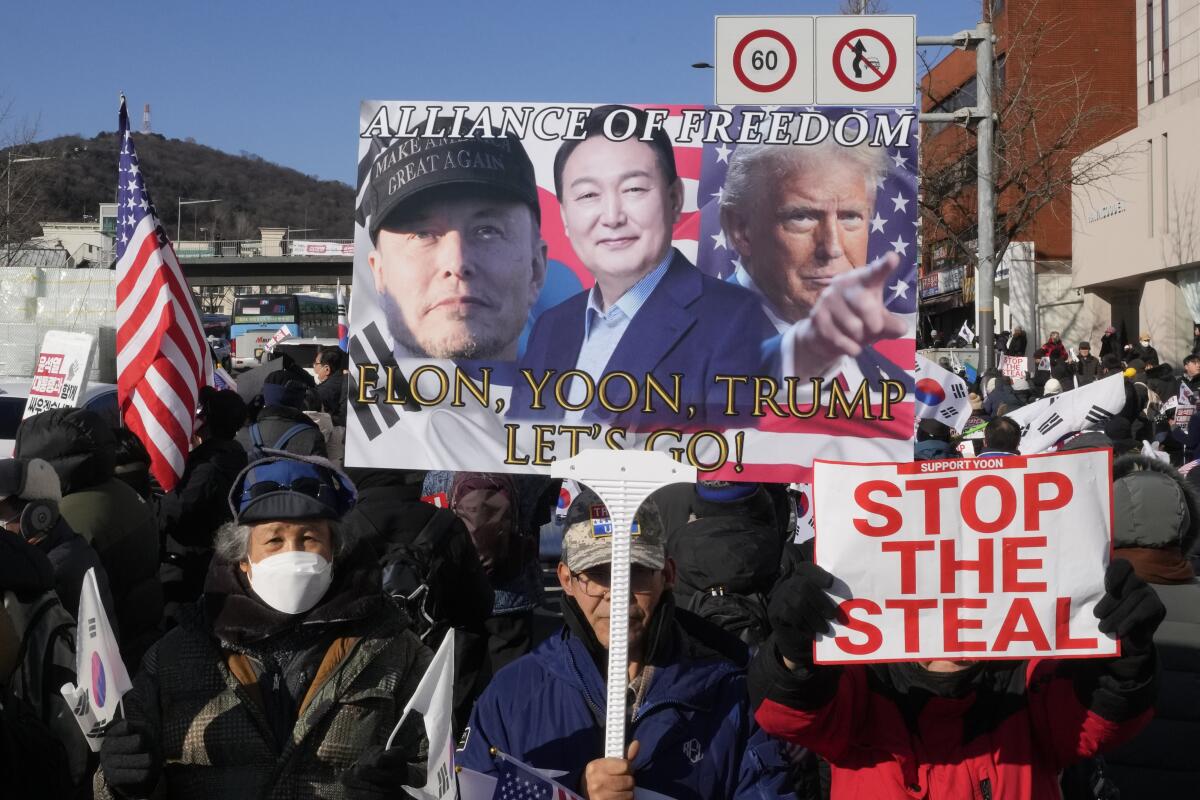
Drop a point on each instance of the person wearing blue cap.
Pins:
(290, 673)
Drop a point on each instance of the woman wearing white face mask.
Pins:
(291, 672)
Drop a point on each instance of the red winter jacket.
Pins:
(1008, 739)
(1056, 350)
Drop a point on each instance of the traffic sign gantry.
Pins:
(866, 60)
(764, 60)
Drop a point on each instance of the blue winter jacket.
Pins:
(697, 735)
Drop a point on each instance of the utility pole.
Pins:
(179, 212)
(980, 117)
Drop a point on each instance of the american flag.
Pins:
(519, 781)
(162, 357)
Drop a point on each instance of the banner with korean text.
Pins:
(61, 374)
(985, 558)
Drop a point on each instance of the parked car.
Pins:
(14, 392)
(222, 352)
(303, 351)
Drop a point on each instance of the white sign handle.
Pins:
(622, 479)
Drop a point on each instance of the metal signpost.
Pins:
(863, 61)
(622, 480)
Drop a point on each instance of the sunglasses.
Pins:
(289, 476)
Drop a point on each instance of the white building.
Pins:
(1136, 235)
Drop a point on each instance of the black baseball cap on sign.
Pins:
(408, 166)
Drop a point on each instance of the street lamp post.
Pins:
(181, 202)
(8, 199)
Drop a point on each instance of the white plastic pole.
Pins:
(622, 479)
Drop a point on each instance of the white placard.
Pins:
(987, 558)
(866, 60)
(764, 60)
(60, 375)
(1014, 366)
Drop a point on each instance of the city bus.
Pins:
(257, 317)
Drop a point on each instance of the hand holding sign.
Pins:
(1130, 609)
(801, 610)
(849, 315)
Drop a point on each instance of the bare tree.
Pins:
(20, 180)
(213, 298)
(1048, 119)
(863, 6)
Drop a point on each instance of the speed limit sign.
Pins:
(764, 60)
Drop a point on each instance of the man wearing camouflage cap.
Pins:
(689, 724)
(457, 255)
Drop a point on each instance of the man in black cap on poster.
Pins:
(457, 256)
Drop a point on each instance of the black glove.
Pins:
(130, 759)
(380, 773)
(1130, 608)
(800, 609)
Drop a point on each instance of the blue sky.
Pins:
(284, 79)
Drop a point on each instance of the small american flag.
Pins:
(519, 781)
(162, 355)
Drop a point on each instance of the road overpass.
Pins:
(266, 270)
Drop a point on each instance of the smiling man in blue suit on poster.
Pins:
(650, 312)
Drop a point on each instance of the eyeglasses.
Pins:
(597, 583)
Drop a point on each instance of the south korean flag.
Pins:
(1087, 408)
(940, 395)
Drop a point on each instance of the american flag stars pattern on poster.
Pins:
(891, 226)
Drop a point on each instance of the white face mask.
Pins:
(291, 582)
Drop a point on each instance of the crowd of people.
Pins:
(276, 613)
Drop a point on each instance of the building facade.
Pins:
(1137, 235)
(1064, 82)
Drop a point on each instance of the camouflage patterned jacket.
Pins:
(214, 735)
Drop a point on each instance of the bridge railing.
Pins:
(249, 248)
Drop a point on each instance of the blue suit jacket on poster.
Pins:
(692, 324)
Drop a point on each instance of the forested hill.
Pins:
(254, 193)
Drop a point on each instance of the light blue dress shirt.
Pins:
(602, 330)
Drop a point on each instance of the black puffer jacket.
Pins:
(1156, 523)
(118, 523)
(273, 422)
(388, 516)
(333, 397)
(195, 508)
(71, 556)
(190, 514)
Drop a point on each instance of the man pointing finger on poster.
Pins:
(800, 219)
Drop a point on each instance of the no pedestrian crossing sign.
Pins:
(828, 60)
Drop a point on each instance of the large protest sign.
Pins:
(61, 373)
(533, 280)
(966, 559)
